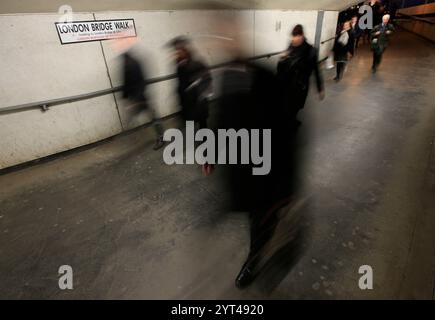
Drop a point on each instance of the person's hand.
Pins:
(322, 95)
(377, 33)
(389, 32)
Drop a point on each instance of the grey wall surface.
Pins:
(426, 30)
(419, 10)
(35, 66)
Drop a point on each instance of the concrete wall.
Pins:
(35, 66)
(419, 10)
(328, 31)
(423, 29)
(426, 30)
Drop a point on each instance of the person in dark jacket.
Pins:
(357, 32)
(249, 99)
(194, 82)
(377, 9)
(391, 8)
(343, 49)
(134, 89)
(380, 38)
(294, 72)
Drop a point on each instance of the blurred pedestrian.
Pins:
(194, 82)
(380, 38)
(250, 100)
(294, 72)
(357, 32)
(134, 89)
(343, 49)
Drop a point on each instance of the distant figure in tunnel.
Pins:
(194, 82)
(134, 89)
(376, 7)
(380, 39)
(391, 7)
(357, 32)
(376, 15)
(343, 49)
(294, 72)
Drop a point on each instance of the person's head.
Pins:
(354, 19)
(298, 36)
(347, 25)
(180, 45)
(386, 18)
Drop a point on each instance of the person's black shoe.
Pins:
(244, 278)
(374, 70)
(336, 79)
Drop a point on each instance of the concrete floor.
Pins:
(132, 227)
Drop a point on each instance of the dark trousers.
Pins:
(158, 128)
(340, 69)
(294, 102)
(139, 106)
(156, 123)
(357, 39)
(377, 58)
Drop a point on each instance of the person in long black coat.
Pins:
(357, 32)
(294, 72)
(343, 49)
(250, 99)
(194, 82)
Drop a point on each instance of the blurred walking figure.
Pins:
(135, 90)
(380, 39)
(249, 99)
(343, 49)
(357, 32)
(294, 72)
(391, 7)
(377, 11)
(376, 14)
(194, 82)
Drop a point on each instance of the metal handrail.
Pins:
(43, 105)
(327, 40)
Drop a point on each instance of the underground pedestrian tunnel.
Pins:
(82, 186)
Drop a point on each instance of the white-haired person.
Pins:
(380, 38)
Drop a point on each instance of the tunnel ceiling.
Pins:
(39, 6)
